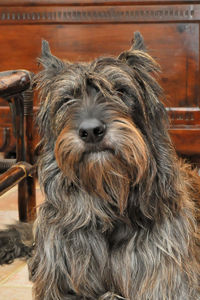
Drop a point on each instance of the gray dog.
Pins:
(121, 211)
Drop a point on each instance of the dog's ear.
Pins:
(49, 61)
(138, 42)
(137, 57)
(52, 66)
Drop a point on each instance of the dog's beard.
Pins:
(108, 169)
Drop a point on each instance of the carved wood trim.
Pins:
(99, 14)
(186, 116)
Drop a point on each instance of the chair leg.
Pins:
(26, 200)
(28, 213)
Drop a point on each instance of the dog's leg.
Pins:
(16, 241)
(68, 262)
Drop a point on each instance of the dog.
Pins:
(120, 218)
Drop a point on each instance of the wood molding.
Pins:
(184, 116)
(94, 14)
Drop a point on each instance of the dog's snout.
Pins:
(92, 130)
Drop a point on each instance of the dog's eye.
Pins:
(58, 105)
(126, 96)
(66, 99)
(121, 91)
(124, 92)
(63, 101)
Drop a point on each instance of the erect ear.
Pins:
(48, 60)
(138, 42)
(137, 57)
(43, 80)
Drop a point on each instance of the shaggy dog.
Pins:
(121, 211)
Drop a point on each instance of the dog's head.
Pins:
(104, 121)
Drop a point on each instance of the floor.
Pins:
(14, 283)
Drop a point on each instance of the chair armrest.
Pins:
(14, 82)
(14, 175)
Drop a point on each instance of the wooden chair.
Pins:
(15, 88)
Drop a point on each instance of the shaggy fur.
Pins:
(121, 211)
(16, 242)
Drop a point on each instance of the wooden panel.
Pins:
(186, 140)
(5, 116)
(99, 14)
(7, 140)
(175, 47)
(6, 130)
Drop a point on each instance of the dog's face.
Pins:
(101, 117)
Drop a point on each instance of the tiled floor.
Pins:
(14, 283)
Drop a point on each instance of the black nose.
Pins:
(92, 130)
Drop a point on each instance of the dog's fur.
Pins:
(120, 217)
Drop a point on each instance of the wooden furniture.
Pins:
(81, 30)
(16, 90)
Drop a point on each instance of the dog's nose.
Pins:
(92, 130)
